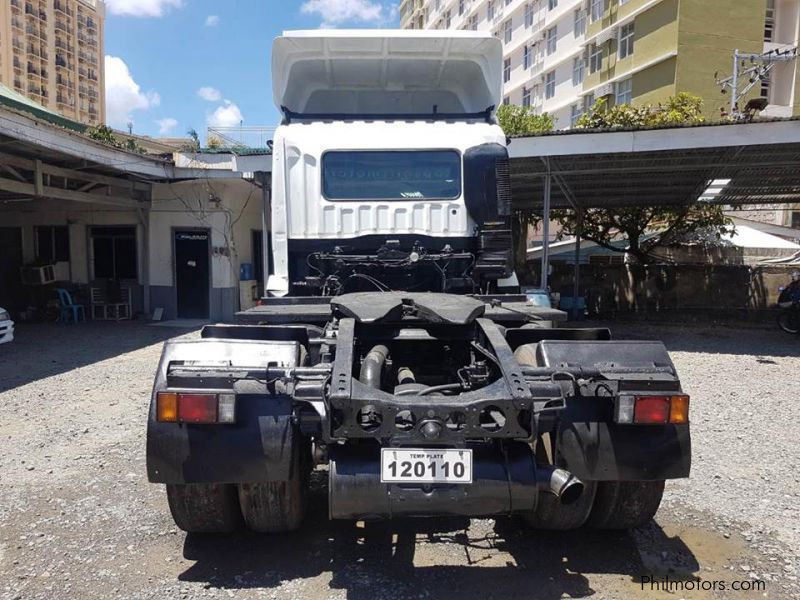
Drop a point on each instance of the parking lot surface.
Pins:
(78, 518)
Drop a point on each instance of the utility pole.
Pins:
(735, 83)
(747, 77)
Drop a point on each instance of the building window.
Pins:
(765, 85)
(551, 4)
(579, 22)
(526, 57)
(550, 85)
(461, 6)
(597, 7)
(626, 40)
(473, 23)
(624, 93)
(595, 58)
(507, 31)
(447, 20)
(52, 244)
(769, 22)
(526, 97)
(552, 40)
(490, 10)
(529, 14)
(506, 70)
(576, 112)
(796, 220)
(506, 101)
(509, 2)
(577, 71)
(114, 252)
(588, 103)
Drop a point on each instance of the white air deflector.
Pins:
(358, 73)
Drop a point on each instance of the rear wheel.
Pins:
(204, 507)
(789, 320)
(276, 506)
(625, 504)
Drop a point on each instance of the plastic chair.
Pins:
(68, 307)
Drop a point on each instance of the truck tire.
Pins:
(276, 506)
(204, 507)
(625, 504)
(550, 514)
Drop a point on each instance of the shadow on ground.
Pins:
(713, 339)
(430, 558)
(47, 349)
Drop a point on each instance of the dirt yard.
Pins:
(78, 518)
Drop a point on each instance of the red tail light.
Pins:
(646, 410)
(197, 408)
(651, 409)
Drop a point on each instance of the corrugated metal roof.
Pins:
(17, 101)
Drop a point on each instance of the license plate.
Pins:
(410, 465)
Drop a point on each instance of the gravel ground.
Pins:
(79, 520)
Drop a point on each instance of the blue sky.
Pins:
(172, 65)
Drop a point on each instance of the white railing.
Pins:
(240, 137)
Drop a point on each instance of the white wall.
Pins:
(189, 205)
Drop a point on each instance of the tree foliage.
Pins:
(520, 120)
(682, 109)
(105, 135)
(645, 228)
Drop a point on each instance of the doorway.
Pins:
(192, 280)
(12, 294)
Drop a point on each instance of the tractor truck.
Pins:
(392, 346)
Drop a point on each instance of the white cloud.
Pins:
(212, 21)
(123, 94)
(336, 12)
(142, 8)
(166, 126)
(227, 115)
(210, 94)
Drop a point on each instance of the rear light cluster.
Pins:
(652, 409)
(195, 407)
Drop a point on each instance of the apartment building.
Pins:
(562, 55)
(52, 52)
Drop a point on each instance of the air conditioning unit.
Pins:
(607, 89)
(39, 275)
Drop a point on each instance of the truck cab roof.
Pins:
(356, 73)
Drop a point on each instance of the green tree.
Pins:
(644, 228)
(519, 120)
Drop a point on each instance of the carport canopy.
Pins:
(732, 164)
(753, 163)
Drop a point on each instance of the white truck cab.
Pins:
(389, 168)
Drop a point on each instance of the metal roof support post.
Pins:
(546, 227)
(576, 285)
(266, 198)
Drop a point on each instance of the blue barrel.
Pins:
(246, 272)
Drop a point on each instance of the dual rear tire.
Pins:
(269, 507)
(603, 505)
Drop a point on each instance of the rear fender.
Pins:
(257, 447)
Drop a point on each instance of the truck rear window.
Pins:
(391, 175)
